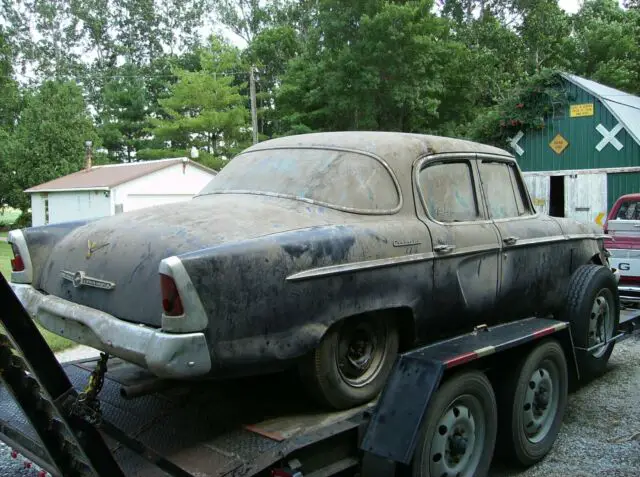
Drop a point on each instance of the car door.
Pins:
(465, 242)
(534, 252)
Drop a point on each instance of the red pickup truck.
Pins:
(623, 229)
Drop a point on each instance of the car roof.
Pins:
(633, 195)
(383, 144)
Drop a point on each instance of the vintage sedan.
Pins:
(327, 252)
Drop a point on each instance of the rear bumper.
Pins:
(167, 355)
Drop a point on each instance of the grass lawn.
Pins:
(56, 342)
(8, 216)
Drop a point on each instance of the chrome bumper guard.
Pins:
(167, 355)
(629, 293)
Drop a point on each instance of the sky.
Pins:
(572, 6)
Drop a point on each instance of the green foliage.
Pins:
(48, 142)
(205, 108)
(528, 106)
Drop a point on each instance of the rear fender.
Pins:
(35, 245)
(257, 313)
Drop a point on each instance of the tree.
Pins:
(49, 140)
(205, 108)
(368, 65)
(607, 44)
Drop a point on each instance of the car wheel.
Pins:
(458, 432)
(352, 362)
(592, 309)
(533, 399)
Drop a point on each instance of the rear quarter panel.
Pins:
(271, 299)
(41, 241)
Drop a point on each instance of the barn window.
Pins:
(46, 209)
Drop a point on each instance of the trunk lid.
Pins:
(126, 249)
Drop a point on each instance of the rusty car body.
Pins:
(331, 252)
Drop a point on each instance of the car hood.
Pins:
(126, 249)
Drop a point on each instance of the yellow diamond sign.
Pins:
(558, 144)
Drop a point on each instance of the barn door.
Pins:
(538, 186)
(585, 197)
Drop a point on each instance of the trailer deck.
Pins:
(207, 429)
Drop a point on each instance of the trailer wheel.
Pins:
(533, 399)
(352, 362)
(593, 312)
(458, 432)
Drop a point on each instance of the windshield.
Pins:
(339, 179)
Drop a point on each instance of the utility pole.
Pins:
(88, 153)
(254, 113)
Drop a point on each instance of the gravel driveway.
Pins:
(601, 431)
(600, 436)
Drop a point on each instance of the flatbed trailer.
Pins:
(138, 426)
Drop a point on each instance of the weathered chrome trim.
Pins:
(194, 317)
(81, 279)
(358, 266)
(386, 262)
(167, 355)
(352, 210)
(552, 239)
(16, 237)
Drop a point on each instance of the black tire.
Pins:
(472, 389)
(588, 283)
(329, 372)
(542, 374)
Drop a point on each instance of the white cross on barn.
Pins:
(513, 142)
(609, 137)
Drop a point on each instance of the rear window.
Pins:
(629, 210)
(339, 179)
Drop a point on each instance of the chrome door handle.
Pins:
(445, 248)
(510, 240)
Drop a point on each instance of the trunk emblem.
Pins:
(80, 279)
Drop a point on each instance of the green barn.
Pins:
(586, 155)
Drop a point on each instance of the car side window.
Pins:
(503, 190)
(449, 192)
(629, 210)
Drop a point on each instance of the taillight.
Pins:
(17, 264)
(171, 302)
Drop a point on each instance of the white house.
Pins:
(99, 191)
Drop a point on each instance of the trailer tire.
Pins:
(331, 373)
(592, 288)
(465, 402)
(538, 384)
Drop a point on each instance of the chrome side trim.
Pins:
(16, 237)
(552, 239)
(194, 317)
(357, 266)
(386, 262)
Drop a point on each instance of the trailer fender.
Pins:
(393, 430)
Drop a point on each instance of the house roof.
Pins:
(105, 177)
(625, 107)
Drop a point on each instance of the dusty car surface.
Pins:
(330, 252)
